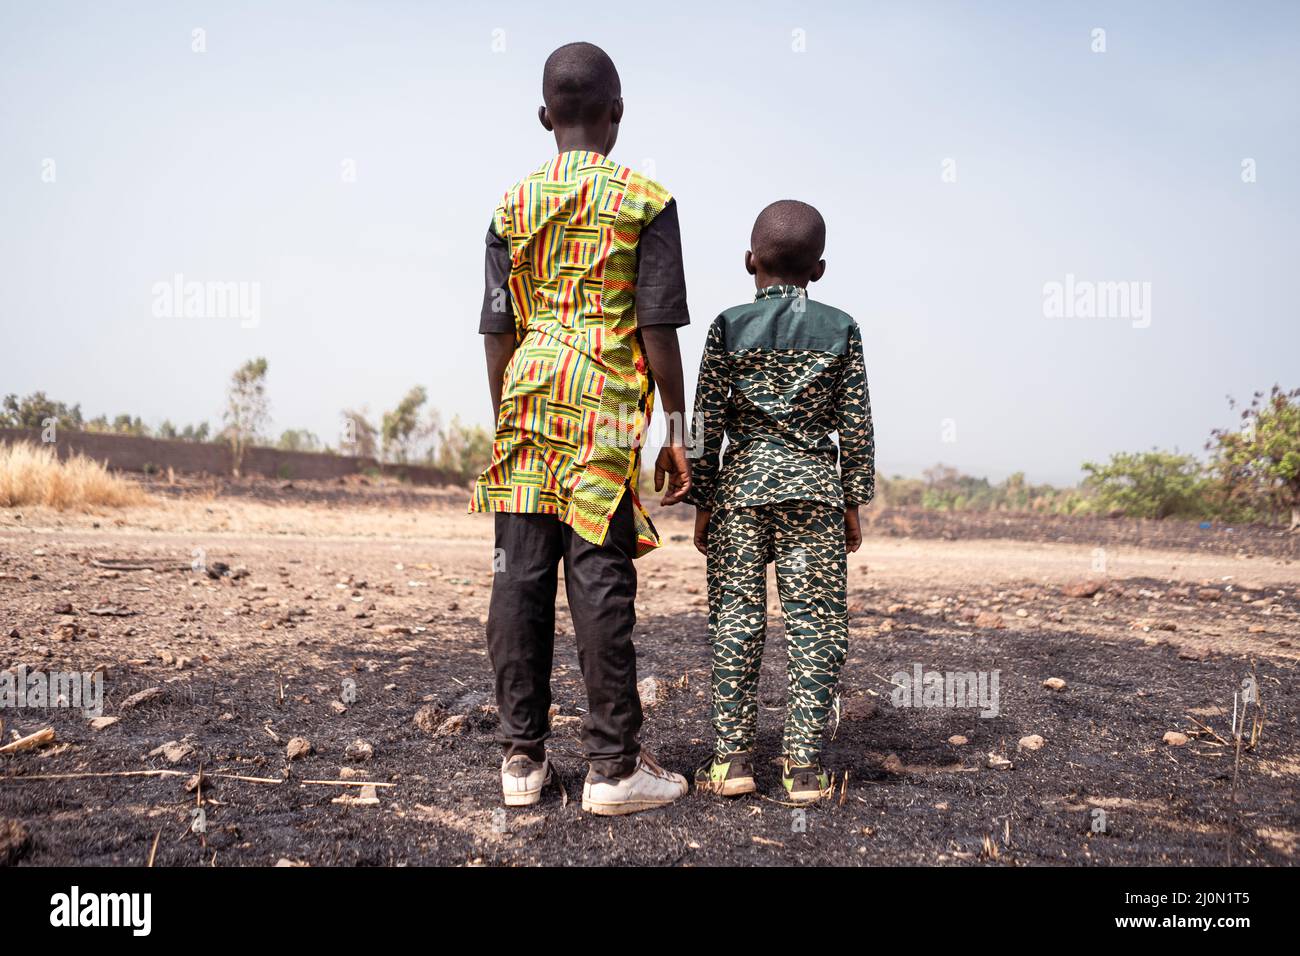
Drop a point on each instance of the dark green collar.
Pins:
(781, 292)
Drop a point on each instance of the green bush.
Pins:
(1256, 467)
(1150, 484)
(464, 450)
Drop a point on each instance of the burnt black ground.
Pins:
(265, 655)
(938, 805)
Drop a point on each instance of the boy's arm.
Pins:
(496, 318)
(711, 393)
(664, 356)
(661, 310)
(498, 347)
(665, 359)
(857, 435)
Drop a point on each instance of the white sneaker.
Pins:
(648, 787)
(522, 780)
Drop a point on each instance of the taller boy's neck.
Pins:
(581, 140)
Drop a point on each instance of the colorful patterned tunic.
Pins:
(779, 376)
(581, 253)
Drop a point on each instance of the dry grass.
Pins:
(34, 475)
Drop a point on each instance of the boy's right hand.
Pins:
(674, 465)
(702, 530)
(852, 530)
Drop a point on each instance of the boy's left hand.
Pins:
(852, 530)
(673, 463)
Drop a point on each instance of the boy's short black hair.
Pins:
(789, 237)
(579, 82)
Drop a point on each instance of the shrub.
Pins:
(1257, 467)
(34, 475)
(1149, 484)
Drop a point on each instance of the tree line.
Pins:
(1251, 472)
(412, 433)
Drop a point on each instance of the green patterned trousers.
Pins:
(806, 540)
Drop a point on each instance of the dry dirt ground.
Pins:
(355, 612)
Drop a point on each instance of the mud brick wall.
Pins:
(133, 453)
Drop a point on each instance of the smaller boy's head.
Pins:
(786, 244)
(582, 95)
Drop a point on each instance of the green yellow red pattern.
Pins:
(578, 393)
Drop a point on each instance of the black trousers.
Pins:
(600, 582)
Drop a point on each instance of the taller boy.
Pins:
(584, 294)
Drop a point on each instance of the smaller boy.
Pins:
(779, 375)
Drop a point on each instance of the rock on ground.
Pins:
(14, 841)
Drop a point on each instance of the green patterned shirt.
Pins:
(779, 376)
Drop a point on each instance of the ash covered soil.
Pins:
(347, 613)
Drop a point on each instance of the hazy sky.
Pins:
(346, 158)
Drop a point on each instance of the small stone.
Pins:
(1032, 742)
(428, 717)
(1175, 738)
(285, 861)
(174, 750)
(1054, 683)
(101, 723)
(653, 691)
(338, 707)
(359, 750)
(1152, 624)
(958, 740)
(1083, 589)
(145, 696)
(298, 747)
(858, 708)
(998, 762)
(452, 725)
(990, 619)
(368, 797)
(1208, 594)
(14, 841)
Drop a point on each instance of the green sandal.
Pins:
(727, 777)
(804, 784)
